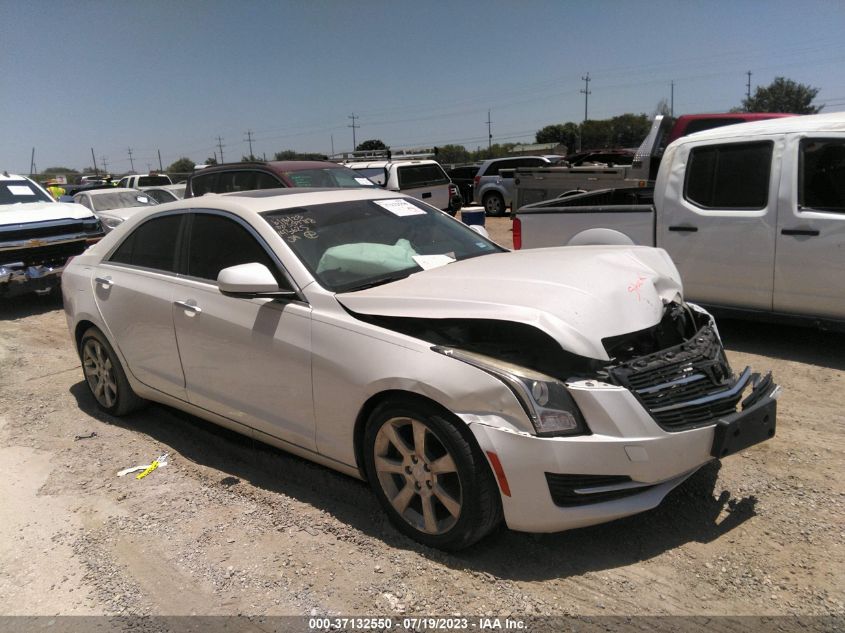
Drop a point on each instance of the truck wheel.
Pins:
(435, 486)
(494, 204)
(104, 375)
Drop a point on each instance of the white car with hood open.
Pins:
(372, 333)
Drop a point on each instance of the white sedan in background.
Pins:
(114, 205)
(370, 332)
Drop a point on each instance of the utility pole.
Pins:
(32, 163)
(159, 160)
(489, 132)
(672, 100)
(332, 137)
(354, 127)
(96, 171)
(248, 139)
(220, 145)
(586, 92)
(748, 86)
(131, 162)
(105, 164)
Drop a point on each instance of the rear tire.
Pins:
(494, 204)
(105, 376)
(434, 484)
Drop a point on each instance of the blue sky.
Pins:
(172, 76)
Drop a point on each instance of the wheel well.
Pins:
(81, 328)
(397, 394)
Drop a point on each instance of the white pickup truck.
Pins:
(752, 214)
(38, 235)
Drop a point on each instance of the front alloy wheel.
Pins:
(418, 475)
(430, 477)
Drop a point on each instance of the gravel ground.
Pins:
(229, 526)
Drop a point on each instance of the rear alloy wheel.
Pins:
(494, 204)
(434, 485)
(105, 377)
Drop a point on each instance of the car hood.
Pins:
(578, 295)
(42, 212)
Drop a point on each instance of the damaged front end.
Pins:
(677, 370)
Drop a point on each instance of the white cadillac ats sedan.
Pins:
(370, 332)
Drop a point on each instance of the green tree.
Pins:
(566, 133)
(783, 95)
(181, 166)
(628, 130)
(59, 170)
(211, 160)
(371, 144)
(452, 154)
(289, 154)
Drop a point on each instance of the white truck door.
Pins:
(810, 262)
(427, 182)
(716, 216)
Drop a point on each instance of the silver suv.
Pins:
(493, 183)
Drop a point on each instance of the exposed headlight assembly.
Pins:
(546, 400)
(110, 222)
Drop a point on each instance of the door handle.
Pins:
(807, 232)
(105, 281)
(683, 229)
(188, 306)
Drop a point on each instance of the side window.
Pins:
(151, 245)
(821, 175)
(411, 176)
(124, 182)
(201, 185)
(85, 201)
(493, 168)
(729, 176)
(267, 181)
(218, 242)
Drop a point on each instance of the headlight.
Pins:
(546, 400)
(110, 223)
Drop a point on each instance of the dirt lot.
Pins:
(233, 527)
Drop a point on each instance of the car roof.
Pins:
(369, 164)
(102, 190)
(273, 165)
(7, 176)
(829, 122)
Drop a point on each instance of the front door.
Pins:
(246, 359)
(718, 221)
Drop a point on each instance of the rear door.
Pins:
(246, 359)
(427, 182)
(719, 217)
(133, 290)
(810, 262)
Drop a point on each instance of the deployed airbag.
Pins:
(367, 258)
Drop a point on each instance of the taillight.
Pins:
(517, 234)
(475, 181)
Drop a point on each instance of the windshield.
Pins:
(18, 191)
(153, 181)
(361, 243)
(120, 200)
(327, 177)
(375, 174)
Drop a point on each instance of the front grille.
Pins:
(52, 229)
(54, 255)
(563, 489)
(684, 386)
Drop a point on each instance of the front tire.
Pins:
(494, 204)
(433, 483)
(105, 376)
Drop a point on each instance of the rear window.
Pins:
(730, 176)
(201, 185)
(494, 167)
(374, 174)
(821, 175)
(244, 180)
(153, 181)
(326, 177)
(151, 245)
(19, 191)
(411, 176)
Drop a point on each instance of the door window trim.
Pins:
(717, 146)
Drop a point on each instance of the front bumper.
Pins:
(17, 278)
(626, 466)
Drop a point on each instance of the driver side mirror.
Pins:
(249, 281)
